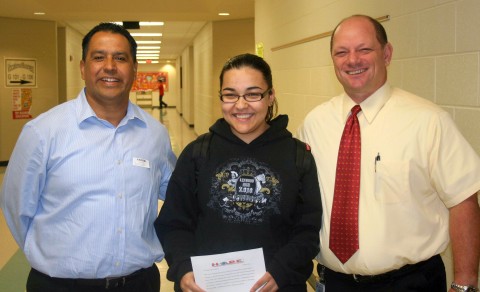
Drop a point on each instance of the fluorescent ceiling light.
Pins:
(147, 58)
(151, 23)
(149, 42)
(145, 34)
(148, 55)
(224, 14)
(147, 52)
(148, 47)
(39, 13)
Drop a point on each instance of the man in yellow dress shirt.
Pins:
(418, 181)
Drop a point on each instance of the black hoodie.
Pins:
(245, 196)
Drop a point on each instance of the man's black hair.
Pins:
(113, 28)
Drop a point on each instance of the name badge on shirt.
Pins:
(141, 162)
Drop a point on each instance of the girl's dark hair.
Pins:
(113, 28)
(257, 63)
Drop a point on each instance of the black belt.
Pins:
(107, 283)
(407, 269)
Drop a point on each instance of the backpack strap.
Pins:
(200, 151)
(302, 160)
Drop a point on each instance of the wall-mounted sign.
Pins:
(21, 103)
(20, 72)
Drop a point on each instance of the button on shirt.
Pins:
(80, 195)
(415, 165)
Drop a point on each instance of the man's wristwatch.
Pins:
(463, 288)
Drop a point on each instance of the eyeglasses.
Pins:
(250, 97)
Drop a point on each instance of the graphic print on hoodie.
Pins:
(245, 191)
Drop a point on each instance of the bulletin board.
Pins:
(149, 80)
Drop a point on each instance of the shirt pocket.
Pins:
(391, 181)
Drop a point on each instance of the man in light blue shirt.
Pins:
(81, 190)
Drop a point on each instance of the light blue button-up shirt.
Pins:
(80, 195)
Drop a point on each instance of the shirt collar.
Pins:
(85, 112)
(370, 106)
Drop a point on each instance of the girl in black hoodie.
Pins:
(247, 191)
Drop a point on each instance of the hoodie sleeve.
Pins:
(176, 223)
(292, 264)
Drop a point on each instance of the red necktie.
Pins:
(344, 218)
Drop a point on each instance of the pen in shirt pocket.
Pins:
(377, 159)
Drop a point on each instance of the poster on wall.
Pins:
(149, 81)
(20, 72)
(21, 103)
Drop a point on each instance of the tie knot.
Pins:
(356, 109)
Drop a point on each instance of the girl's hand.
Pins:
(265, 284)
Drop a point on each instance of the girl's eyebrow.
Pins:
(248, 88)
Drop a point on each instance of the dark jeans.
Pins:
(428, 275)
(162, 103)
(144, 280)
